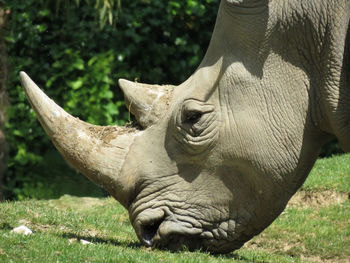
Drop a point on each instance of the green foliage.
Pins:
(77, 63)
(108, 10)
(105, 10)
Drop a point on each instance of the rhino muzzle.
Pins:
(163, 231)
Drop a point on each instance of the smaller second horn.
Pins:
(146, 102)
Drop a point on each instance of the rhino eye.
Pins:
(192, 117)
(192, 111)
(196, 126)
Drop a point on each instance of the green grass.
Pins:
(303, 233)
(330, 173)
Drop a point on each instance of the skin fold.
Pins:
(220, 155)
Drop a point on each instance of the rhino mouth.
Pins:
(149, 231)
(151, 237)
(158, 229)
(177, 240)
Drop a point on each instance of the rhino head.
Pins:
(219, 156)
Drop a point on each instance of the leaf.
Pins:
(18, 133)
(79, 64)
(76, 84)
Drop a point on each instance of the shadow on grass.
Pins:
(100, 240)
(235, 256)
(5, 226)
(137, 245)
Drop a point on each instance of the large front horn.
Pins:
(98, 152)
(147, 103)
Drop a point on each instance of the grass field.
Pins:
(315, 227)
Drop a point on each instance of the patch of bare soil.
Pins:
(303, 199)
(316, 259)
(76, 203)
(44, 228)
(294, 246)
(88, 202)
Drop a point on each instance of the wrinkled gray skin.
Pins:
(221, 154)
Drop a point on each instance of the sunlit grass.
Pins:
(300, 234)
(330, 173)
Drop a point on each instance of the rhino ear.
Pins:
(146, 102)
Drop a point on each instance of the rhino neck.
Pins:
(238, 37)
(335, 74)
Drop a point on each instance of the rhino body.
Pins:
(220, 155)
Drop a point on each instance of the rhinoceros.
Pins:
(219, 156)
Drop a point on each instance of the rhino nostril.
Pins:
(150, 230)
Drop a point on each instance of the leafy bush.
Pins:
(77, 64)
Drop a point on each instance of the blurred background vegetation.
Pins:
(76, 50)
